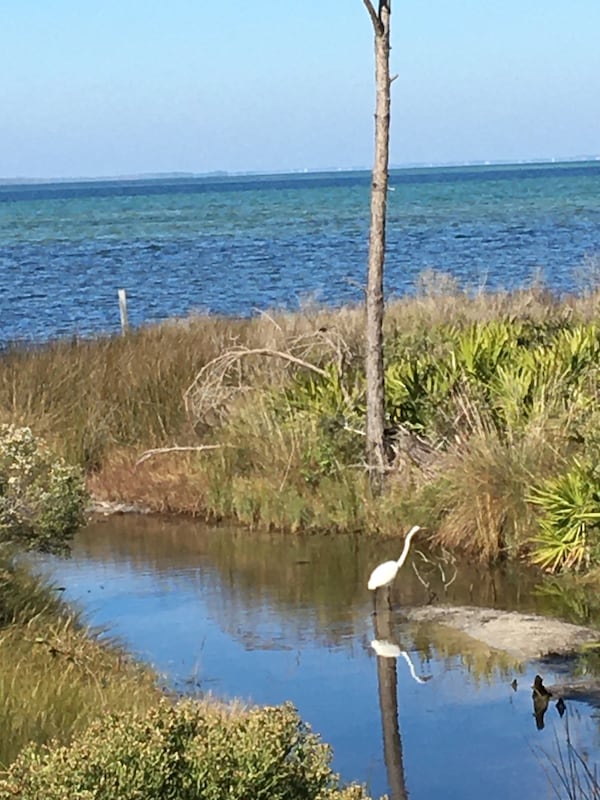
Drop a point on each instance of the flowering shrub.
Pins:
(187, 751)
(42, 499)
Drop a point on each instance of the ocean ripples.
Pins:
(236, 246)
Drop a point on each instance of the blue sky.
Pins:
(134, 86)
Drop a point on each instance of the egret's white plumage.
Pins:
(385, 573)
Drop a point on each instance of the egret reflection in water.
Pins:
(387, 649)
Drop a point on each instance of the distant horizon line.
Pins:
(185, 174)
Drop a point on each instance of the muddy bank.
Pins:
(106, 508)
(526, 637)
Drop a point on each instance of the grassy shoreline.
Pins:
(493, 405)
(491, 402)
(79, 717)
(56, 676)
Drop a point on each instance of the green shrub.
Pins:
(511, 370)
(42, 499)
(185, 751)
(324, 412)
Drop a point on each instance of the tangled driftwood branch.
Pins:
(223, 379)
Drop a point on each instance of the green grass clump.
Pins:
(183, 752)
(24, 597)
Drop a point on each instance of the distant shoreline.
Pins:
(224, 175)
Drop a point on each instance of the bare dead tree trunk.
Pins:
(375, 301)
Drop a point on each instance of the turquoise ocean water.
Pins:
(234, 245)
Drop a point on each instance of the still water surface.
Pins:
(270, 619)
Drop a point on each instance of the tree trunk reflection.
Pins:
(388, 703)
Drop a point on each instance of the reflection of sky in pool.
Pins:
(201, 622)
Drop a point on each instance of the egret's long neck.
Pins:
(409, 536)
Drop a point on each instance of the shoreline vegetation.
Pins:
(492, 403)
(79, 717)
(55, 675)
(493, 439)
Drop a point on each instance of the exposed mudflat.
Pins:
(526, 637)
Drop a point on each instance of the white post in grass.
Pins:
(123, 311)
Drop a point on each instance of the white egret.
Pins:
(384, 574)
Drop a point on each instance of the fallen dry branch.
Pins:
(161, 450)
(212, 392)
(265, 351)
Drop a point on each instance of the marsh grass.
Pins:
(500, 387)
(55, 676)
(23, 597)
(90, 396)
(569, 771)
(481, 491)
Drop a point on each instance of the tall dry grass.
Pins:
(481, 494)
(103, 402)
(91, 396)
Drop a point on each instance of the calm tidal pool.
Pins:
(271, 618)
